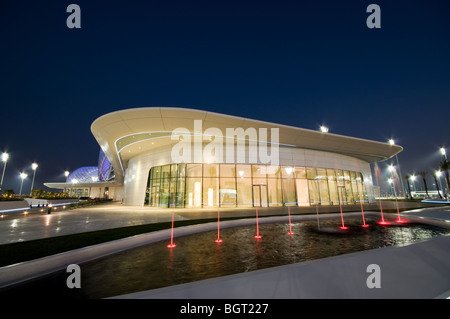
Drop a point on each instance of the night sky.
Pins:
(300, 63)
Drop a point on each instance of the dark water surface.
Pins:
(198, 257)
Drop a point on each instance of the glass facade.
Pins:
(237, 185)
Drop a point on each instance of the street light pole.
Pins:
(22, 176)
(413, 178)
(34, 166)
(443, 153)
(392, 142)
(5, 157)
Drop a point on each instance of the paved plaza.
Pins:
(36, 223)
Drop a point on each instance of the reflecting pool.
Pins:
(198, 256)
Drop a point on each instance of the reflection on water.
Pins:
(198, 257)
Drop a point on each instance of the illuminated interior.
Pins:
(238, 185)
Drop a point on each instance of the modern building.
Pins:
(164, 157)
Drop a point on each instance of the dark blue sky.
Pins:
(301, 63)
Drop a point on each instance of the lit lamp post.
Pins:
(413, 179)
(392, 142)
(66, 174)
(438, 175)
(22, 176)
(5, 157)
(443, 153)
(34, 166)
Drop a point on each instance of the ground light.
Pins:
(362, 212)
(172, 245)
(218, 240)
(342, 216)
(257, 236)
(290, 225)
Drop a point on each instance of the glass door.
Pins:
(342, 195)
(260, 196)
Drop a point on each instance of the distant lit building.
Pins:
(137, 167)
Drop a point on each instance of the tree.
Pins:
(445, 167)
(424, 178)
(407, 177)
(37, 193)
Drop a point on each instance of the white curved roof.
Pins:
(151, 128)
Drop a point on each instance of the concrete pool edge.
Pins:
(17, 273)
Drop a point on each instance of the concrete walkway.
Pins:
(36, 224)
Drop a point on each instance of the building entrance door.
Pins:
(342, 195)
(260, 196)
(154, 196)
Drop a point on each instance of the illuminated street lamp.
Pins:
(413, 179)
(5, 157)
(22, 176)
(324, 129)
(34, 166)
(392, 142)
(438, 175)
(443, 152)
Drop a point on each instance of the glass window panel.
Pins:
(314, 197)
(210, 192)
(273, 171)
(310, 172)
(359, 177)
(180, 192)
(362, 191)
(340, 177)
(352, 175)
(244, 192)
(342, 195)
(288, 187)
(300, 172)
(193, 192)
(165, 171)
(324, 195)
(259, 181)
(259, 171)
(302, 192)
(332, 186)
(331, 174)
(355, 191)
(227, 191)
(194, 170)
(274, 190)
(244, 171)
(211, 170)
(181, 171)
(173, 170)
(346, 175)
(156, 173)
(227, 170)
(164, 193)
(287, 172)
(154, 195)
(173, 192)
(348, 191)
(321, 173)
